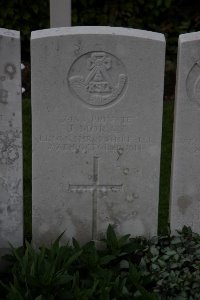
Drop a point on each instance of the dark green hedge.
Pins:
(170, 17)
(25, 16)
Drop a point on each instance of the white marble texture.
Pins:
(11, 189)
(97, 98)
(185, 182)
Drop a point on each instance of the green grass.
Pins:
(165, 166)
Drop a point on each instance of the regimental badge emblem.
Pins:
(193, 83)
(98, 78)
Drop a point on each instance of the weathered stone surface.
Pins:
(97, 96)
(185, 183)
(11, 219)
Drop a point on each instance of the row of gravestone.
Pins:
(97, 98)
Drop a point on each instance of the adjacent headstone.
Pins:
(60, 13)
(11, 205)
(97, 97)
(185, 182)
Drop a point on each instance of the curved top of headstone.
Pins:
(187, 37)
(98, 30)
(9, 33)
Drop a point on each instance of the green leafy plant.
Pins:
(76, 272)
(163, 267)
(173, 264)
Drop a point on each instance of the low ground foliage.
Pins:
(164, 267)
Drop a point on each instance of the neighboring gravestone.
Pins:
(11, 206)
(185, 182)
(97, 97)
(60, 13)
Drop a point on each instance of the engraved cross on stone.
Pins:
(95, 187)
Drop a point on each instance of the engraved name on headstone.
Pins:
(185, 182)
(11, 203)
(97, 97)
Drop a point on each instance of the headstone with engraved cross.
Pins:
(11, 202)
(97, 115)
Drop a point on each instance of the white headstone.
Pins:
(11, 206)
(97, 96)
(60, 13)
(185, 182)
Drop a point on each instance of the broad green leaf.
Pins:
(112, 238)
(123, 240)
(107, 259)
(76, 244)
(14, 294)
(154, 251)
(73, 258)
